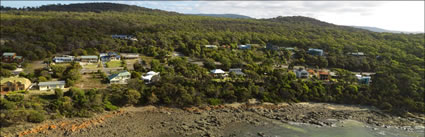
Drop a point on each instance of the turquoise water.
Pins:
(349, 129)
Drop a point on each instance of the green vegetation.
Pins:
(397, 59)
(114, 64)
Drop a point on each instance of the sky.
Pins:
(390, 15)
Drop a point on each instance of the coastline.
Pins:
(213, 120)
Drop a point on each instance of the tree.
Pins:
(152, 98)
(58, 93)
(132, 96)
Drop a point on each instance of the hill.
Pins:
(375, 29)
(397, 59)
(236, 16)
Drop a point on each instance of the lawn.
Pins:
(90, 81)
(34, 65)
(130, 63)
(63, 64)
(146, 58)
(91, 66)
(113, 64)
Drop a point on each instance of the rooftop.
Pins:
(149, 75)
(17, 79)
(9, 54)
(217, 71)
(120, 73)
(49, 83)
(89, 57)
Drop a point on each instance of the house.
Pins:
(125, 37)
(301, 73)
(121, 77)
(244, 47)
(315, 52)
(110, 56)
(290, 48)
(17, 71)
(51, 85)
(211, 46)
(237, 71)
(129, 55)
(359, 54)
(63, 59)
(363, 79)
(14, 84)
(324, 75)
(311, 72)
(273, 47)
(10, 57)
(150, 77)
(298, 67)
(333, 75)
(218, 72)
(89, 59)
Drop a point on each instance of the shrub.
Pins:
(15, 97)
(36, 117)
(58, 93)
(214, 101)
(109, 106)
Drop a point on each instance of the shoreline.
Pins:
(212, 120)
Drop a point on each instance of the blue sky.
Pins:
(391, 15)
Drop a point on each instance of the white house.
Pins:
(149, 77)
(129, 55)
(63, 59)
(51, 85)
(237, 71)
(218, 72)
(121, 77)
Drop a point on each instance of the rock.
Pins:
(419, 127)
(374, 128)
(261, 134)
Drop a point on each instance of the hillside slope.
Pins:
(397, 59)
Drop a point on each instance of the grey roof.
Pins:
(49, 83)
(121, 73)
(9, 54)
(237, 71)
(89, 57)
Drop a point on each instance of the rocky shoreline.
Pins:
(213, 120)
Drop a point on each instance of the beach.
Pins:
(237, 119)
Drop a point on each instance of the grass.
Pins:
(34, 65)
(91, 66)
(90, 81)
(63, 64)
(146, 58)
(113, 64)
(130, 63)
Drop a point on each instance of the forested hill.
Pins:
(236, 16)
(299, 20)
(397, 59)
(90, 7)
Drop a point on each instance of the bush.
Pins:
(214, 101)
(36, 117)
(15, 97)
(109, 106)
(58, 93)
